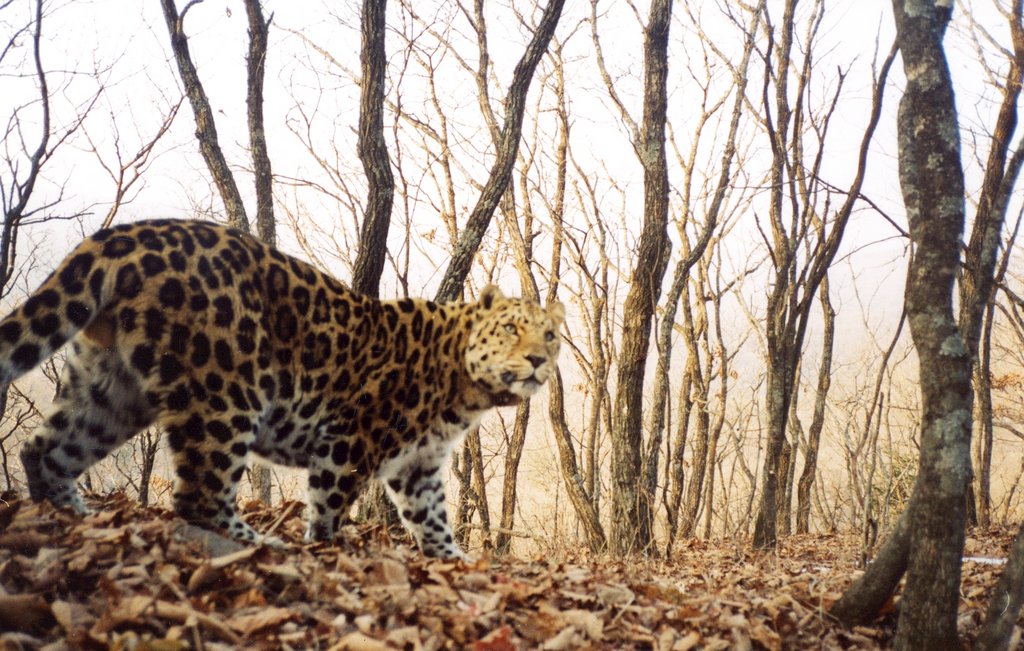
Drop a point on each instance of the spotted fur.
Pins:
(235, 348)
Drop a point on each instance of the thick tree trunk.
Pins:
(931, 179)
(631, 505)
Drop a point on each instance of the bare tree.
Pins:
(631, 507)
(800, 254)
(927, 541)
(256, 62)
(23, 165)
(977, 281)
(810, 469)
(505, 156)
(695, 379)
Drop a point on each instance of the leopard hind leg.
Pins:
(99, 405)
(210, 448)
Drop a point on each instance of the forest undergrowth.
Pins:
(130, 577)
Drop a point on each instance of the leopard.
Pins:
(236, 351)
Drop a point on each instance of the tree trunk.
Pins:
(931, 179)
(373, 236)
(977, 286)
(513, 455)
(578, 497)
(983, 419)
(256, 67)
(206, 130)
(1004, 610)
(261, 480)
(149, 444)
(373, 152)
(504, 160)
(631, 506)
(805, 486)
(865, 597)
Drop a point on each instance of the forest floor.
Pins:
(136, 578)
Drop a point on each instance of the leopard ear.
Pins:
(557, 312)
(490, 294)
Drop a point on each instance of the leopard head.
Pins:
(513, 346)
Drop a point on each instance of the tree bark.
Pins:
(931, 180)
(509, 485)
(861, 602)
(631, 506)
(256, 60)
(206, 130)
(256, 67)
(977, 286)
(373, 152)
(505, 157)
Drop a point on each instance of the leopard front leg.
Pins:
(417, 490)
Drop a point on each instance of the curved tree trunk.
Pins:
(931, 179)
(206, 130)
(373, 152)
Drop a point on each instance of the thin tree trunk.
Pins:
(585, 510)
(206, 130)
(795, 283)
(805, 485)
(983, 419)
(373, 152)
(256, 66)
(505, 157)
(149, 444)
(476, 459)
(513, 455)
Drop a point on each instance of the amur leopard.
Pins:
(235, 348)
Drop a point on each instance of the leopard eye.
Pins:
(549, 336)
(511, 328)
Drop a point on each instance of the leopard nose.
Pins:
(536, 360)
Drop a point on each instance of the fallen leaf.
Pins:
(500, 639)
(23, 612)
(262, 619)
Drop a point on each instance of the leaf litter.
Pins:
(130, 577)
